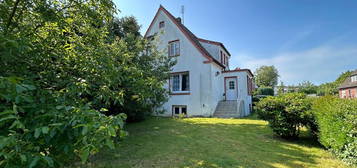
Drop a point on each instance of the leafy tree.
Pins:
(266, 76)
(61, 71)
(281, 88)
(331, 88)
(307, 87)
(122, 27)
(265, 91)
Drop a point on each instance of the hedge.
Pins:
(337, 124)
(286, 113)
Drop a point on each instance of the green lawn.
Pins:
(211, 142)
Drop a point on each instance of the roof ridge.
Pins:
(191, 37)
(215, 43)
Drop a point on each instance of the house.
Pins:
(348, 89)
(201, 83)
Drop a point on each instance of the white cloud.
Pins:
(319, 65)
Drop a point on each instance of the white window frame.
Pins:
(174, 48)
(180, 109)
(343, 93)
(171, 82)
(354, 78)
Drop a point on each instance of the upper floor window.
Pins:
(354, 78)
(161, 24)
(174, 48)
(180, 82)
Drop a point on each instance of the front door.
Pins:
(231, 88)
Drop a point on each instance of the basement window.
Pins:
(179, 110)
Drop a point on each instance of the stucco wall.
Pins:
(191, 60)
(212, 49)
(242, 89)
(206, 85)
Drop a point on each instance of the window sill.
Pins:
(174, 55)
(180, 93)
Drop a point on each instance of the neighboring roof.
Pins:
(214, 43)
(191, 37)
(348, 83)
(240, 70)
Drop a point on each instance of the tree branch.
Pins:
(12, 14)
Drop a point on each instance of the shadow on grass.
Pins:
(199, 142)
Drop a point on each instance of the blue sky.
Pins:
(313, 40)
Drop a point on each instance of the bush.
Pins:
(286, 113)
(337, 123)
(41, 130)
(65, 80)
(265, 91)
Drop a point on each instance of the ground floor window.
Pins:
(180, 82)
(179, 110)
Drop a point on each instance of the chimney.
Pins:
(178, 19)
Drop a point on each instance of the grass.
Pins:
(211, 143)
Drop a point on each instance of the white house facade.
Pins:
(201, 83)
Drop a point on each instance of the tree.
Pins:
(307, 87)
(266, 76)
(61, 75)
(331, 88)
(122, 27)
(281, 88)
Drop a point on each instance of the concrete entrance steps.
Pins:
(227, 109)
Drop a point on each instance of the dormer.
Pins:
(354, 78)
(217, 50)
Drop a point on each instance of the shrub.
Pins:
(265, 91)
(337, 123)
(286, 113)
(39, 129)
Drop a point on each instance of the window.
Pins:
(221, 57)
(174, 48)
(224, 59)
(354, 78)
(227, 61)
(180, 82)
(175, 82)
(249, 85)
(231, 85)
(343, 93)
(179, 109)
(161, 24)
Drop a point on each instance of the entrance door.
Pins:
(231, 88)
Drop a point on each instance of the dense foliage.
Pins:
(66, 77)
(337, 123)
(266, 76)
(269, 91)
(307, 87)
(331, 88)
(286, 113)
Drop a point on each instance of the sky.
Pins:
(306, 40)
